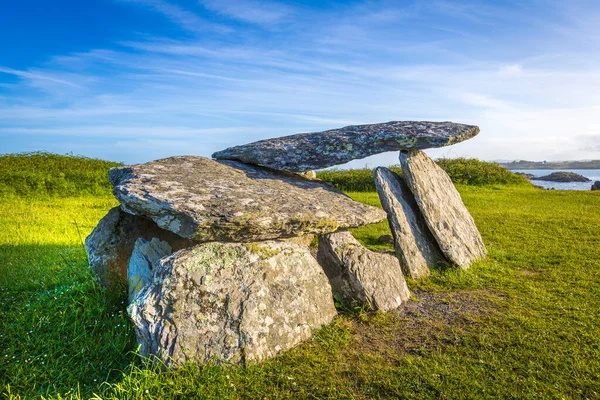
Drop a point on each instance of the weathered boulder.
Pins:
(205, 200)
(110, 245)
(308, 151)
(359, 275)
(443, 209)
(231, 302)
(416, 248)
(562, 176)
(144, 260)
(596, 185)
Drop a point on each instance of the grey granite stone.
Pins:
(359, 275)
(110, 245)
(443, 209)
(416, 248)
(308, 151)
(231, 302)
(205, 200)
(143, 262)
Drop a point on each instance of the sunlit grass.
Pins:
(525, 323)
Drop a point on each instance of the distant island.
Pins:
(523, 164)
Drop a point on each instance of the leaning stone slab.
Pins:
(144, 260)
(443, 209)
(231, 302)
(415, 247)
(111, 243)
(308, 151)
(359, 275)
(205, 200)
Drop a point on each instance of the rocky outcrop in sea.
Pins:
(562, 176)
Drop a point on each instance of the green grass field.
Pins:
(525, 323)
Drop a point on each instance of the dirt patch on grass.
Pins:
(431, 321)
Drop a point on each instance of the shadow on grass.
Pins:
(59, 330)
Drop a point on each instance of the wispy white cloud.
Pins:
(253, 11)
(35, 76)
(186, 19)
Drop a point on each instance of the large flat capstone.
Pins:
(308, 151)
(415, 247)
(231, 302)
(443, 209)
(206, 200)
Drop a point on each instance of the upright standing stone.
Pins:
(443, 209)
(416, 248)
(359, 275)
(231, 302)
(315, 150)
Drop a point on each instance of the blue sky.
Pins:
(136, 80)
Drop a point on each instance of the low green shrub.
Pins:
(471, 171)
(353, 180)
(466, 171)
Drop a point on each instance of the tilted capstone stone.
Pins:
(308, 151)
(231, 302)
(443, 209)
(205, 200)
(415, 246)
(361, 276)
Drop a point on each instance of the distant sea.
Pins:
(592, 174)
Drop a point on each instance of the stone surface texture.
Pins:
(359, 275)
(205, 200)
(415, 246)
(231, 302)
(110, 245)
(443, 209)
(144, 260)
(596, 185)
(308, 151)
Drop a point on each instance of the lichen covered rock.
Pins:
(206, 200)
(443, 209)
(415, 247)
(308, 151)
(231, 302)
(359, 275)
(110, 245)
